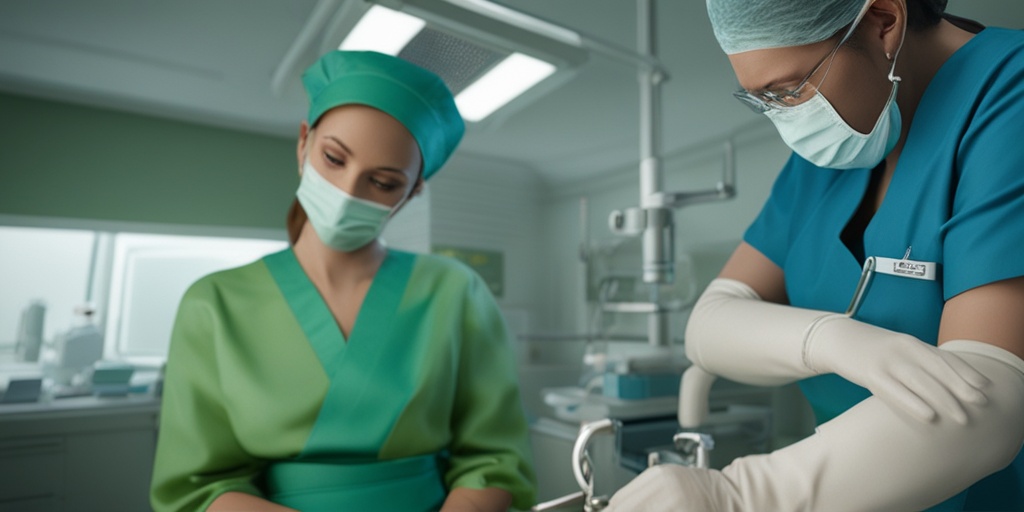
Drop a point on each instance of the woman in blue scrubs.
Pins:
(906, 188)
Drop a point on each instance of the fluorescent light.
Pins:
(383, 30)
(521, 20)
(510, 78)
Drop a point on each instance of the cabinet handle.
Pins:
(27, 446)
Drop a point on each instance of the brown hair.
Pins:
(924, 14)
(296, 214)
(296, 218)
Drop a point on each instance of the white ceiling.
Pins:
(211, 61)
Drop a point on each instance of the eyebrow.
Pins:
(350, 152)
(775, 85)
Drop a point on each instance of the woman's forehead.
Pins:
(369, 133)
(774, 68)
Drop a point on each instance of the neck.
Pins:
(336, 269)
(923, 53)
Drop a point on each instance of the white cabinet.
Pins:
(77, 454)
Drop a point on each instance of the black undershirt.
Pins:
(852, 235)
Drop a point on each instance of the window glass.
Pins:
(132, 281)
(51, 266)
(150, 274)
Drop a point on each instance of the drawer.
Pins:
(31, 470)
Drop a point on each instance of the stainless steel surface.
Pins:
(572, 501)
(696, 443)
(862, 287)
(581, 467)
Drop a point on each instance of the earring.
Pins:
(888, 56)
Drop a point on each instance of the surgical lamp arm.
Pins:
(724, 189)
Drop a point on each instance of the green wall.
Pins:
(64, 160)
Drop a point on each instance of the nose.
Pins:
(344, 177)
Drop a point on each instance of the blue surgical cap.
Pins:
(414, 96)
(745, 25)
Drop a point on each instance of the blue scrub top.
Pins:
(956, 199)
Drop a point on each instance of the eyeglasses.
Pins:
(764, 101)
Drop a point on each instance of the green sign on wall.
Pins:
(489, 264)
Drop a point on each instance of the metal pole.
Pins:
(650, 106)
(658, 235)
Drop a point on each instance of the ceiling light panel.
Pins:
(383, 30)
(487, 54)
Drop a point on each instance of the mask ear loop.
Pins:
(892, 70)
(407, 198)
(403, 202)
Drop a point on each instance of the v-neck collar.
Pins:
(315, 318)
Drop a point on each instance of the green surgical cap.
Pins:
(414, 96)
(745, 25)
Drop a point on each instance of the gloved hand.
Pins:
(671, 488)
(734, 334)
(900, 369)
(872, 457)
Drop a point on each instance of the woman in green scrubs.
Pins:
(340, 374)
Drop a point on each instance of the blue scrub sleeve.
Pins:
(490, 444)
(984, 235)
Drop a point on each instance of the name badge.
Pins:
(906, 268)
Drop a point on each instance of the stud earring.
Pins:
(888, 56)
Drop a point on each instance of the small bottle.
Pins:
(30, 332)
(78, 348)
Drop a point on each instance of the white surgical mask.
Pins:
(342, 221)
(815, 131)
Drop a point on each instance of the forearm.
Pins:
(872, 457)
(242, 502)
(734, 334)
(462, 499)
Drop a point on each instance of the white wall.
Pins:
(409, 230)
(493, 205)
(483, 203)
(709, 231)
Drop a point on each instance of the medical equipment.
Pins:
(653, 219)
(111, 378)
(22, 390)
(30, 332)
(76, 350)
(634, 404)
(687, 449)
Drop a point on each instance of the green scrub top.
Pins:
(264, 395)
(956, 199)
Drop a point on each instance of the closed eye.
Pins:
(334, 160)
(383, 185)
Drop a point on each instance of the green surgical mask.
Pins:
(342, 221)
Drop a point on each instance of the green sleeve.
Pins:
(198, 456)
(490, 439)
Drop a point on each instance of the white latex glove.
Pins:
(871, 457)
(734, 334)
(900, 369)
(671, 488)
